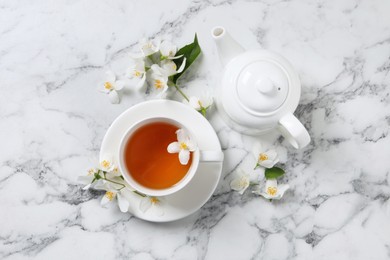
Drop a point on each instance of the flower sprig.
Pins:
(156, 68)
(107, 177)
(264, 159)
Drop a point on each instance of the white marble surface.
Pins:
(53, 54)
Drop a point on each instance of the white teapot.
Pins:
(259, 91)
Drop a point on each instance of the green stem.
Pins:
(139, 193)
(182, 93)
(203, 111)
(123, 186)
(114, 182)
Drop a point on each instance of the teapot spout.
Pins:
(227, 47)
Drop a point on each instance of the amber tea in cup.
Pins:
(147, 160)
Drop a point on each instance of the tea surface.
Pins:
(147, 159)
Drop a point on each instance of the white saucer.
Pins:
(201, 187)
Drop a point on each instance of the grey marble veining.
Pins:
(53, 119)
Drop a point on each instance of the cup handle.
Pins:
(294, 131)
(211, 156)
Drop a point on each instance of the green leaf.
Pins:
(190, 52)
(273, 173)
(97, 176)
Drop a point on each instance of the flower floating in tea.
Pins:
(184, 146)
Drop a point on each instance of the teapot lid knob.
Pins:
(262, 86)
(265, 86)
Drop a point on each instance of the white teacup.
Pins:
(197, 157)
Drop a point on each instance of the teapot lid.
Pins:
(258, 88)
(262, 86)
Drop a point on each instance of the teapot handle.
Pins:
(294, 131)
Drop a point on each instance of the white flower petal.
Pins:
(127, 193)
(236, 184)
(182, 66)
(267, 163)
(130, 72)
(169, 67)
(176, 57)
(87, 186)
(191, 145)
(257, 149)
(157, 80)
(271, 183)
(140, 65)
(173, 147)
(159, 210)
(282, 188)
(103, 89)
(104, 201)
(149, 47)
(184, 157)
(156, 70)
(145, 204)
(123, 203)
(114, 97)
(239, 184)
(119, 84)
(194, 103)
(182, 135)
(136, 69)
(265, 195)
(106, 197)
(272, 154)
(114, 172)
(140, 85)
(100, 185)
(110, 76)
(107, 163)
(168, 49)
(206, 100)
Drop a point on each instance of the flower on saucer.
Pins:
(158, 81)
(136, 71)
(149, 47)
(272, 190)
(183, 146)
(241, 182)
(148, 202)
(111, 87)
(267, 158)
(107, 163)
(201, 103)
(168, 50)
(122, 196)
